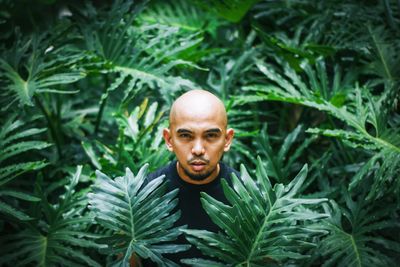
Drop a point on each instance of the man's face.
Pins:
(198, 141)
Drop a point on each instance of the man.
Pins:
(198, 136)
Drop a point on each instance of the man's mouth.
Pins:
(198, 165)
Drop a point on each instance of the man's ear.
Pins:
(228, 139)
(167, 138)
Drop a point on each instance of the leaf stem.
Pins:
(339, 143)
(389, 14)
(52, 127)
(382, 58)
(384, 143)
(259, 235)
(102, 106)
(353, 243)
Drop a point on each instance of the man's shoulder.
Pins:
(165, 170)
(227, 171)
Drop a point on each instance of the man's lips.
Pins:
(198, 165)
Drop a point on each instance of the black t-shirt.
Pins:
(192, 213)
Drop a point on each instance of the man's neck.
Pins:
(189, 180)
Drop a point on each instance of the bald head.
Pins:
(198, 135)
(198, 104)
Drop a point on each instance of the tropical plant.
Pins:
(90, 83)
(281, 164)
(231, 10)
(12, 144)
(181, 14)
(139, 142)
(35, 66)
(261, 224)
(360, 114)
(138, 215)
(353, 237)
(56, 234)
(135, 54)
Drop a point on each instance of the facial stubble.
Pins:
(197, 177)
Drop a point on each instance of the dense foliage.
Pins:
(311, 87)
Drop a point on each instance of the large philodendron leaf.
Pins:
(233, 10)
(318, 92)
(280, 163)
(355, 239)
(15, 140)
(366, 125)
(139, 142)
(58, 236)
(13, 143)
(262, 225)
(182, 14)
(36, 66)
(138, 214)
(137, 57)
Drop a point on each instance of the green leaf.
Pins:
(181, 14)
(91, 154)
(12, 134)
(7, 209)
(289, 88)
(21, 147)
(233, 10)
(280, 164)
(46, 70)
(20, 195)
(142, 57)
(138, 214)
(261, 225)
(59, 234)
(357, 246)
(9, 172)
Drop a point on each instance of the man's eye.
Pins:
(212, 135)
(186, 136)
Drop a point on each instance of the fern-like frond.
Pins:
(280, 163)
(36, 66)
(366, 126)
(138, 214)
(261, 225)
(226, 74)
(385, 61)
(139, 142)
(180, 14)
(10, 196)
(233, 10)
(354, 239)
(384, 168)
(318, 92)
(140, 57)
(12, 134)
(12, 144)
(58, 237)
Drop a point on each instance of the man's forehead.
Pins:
(197, 125)
(198, 107)
(194, 120)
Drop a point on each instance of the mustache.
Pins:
(197, 159)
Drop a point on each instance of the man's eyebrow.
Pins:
(214, 130)
(183, 131)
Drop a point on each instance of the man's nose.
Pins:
(198, 148)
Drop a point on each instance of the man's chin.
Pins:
(197, 176)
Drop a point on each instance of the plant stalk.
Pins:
(389, 15)
(52, 128)
(103, 103)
